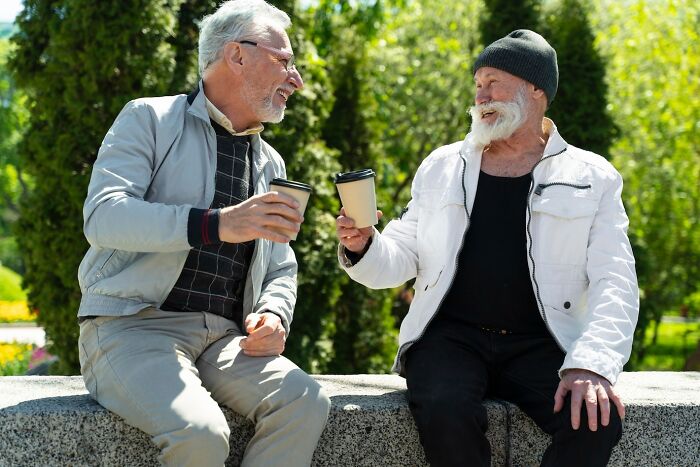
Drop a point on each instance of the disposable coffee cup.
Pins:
(298, 191)
(356, 190)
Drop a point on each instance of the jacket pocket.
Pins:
(563, 287)
(112, 265)
(565, 207)
(560, 227)
(431, 280)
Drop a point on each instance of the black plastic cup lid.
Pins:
(291, 184)
(345, 177)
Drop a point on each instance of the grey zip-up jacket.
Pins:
(156, 162)
(581, 264)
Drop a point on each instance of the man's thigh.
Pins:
(449, 363)
(529, 377)
(246, 384)
(141, 368)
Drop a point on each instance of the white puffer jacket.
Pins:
(581, 263)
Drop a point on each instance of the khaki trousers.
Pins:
(167, 372)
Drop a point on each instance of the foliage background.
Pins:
(387, 82)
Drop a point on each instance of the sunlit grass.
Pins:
(10, 285)
(675, 342)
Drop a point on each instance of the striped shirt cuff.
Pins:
(203, 227)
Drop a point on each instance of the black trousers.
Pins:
(454, 367)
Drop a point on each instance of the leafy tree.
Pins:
(362, 329)
(503, 16)
(184, 41)
(422, 83)
(653, 54)
(13, 181)
(580, 106)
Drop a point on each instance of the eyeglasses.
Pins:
(286, 58)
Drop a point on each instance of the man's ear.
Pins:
(233, 57)
(537, 93)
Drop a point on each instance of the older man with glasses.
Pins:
(188, 286)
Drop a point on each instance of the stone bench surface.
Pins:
(52, 421)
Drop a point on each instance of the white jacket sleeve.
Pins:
(613, 295)
(115, 213)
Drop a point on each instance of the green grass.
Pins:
(674, 343)
(10, 285)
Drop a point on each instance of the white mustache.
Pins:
(478, 111)
(510, 115)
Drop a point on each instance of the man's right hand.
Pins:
(260, 216)
(351, 238)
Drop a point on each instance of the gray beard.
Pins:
(265, 109)
(511, 116)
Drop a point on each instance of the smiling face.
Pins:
(501, 105)
(267, 83)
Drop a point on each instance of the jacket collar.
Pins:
(198, 108)
(197, 103)
(471, 153)
(555, 142)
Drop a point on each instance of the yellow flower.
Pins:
(15, 311)
(14, 352)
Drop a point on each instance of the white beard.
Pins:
(264, 107)
(511, 115)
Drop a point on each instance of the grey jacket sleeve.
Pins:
(279, 288)
(115, 213)
(278, 293)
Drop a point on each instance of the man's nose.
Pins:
(481, 97)
(294, 77)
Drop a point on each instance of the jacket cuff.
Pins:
(604, 362)
(286, 318)
(348, 259)
(203, 227)
(354, 258)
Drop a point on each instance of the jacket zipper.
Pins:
(454, 274)
(541, 187)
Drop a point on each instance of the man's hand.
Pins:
(266, 335)
(595, 390)
(351, 238)
(260, 216)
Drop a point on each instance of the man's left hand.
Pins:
(595, 390)
(266, 335)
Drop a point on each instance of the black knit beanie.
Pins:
(527, 55)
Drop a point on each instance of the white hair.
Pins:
(511, 116)
(237, 20)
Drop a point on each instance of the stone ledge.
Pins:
(51, 421)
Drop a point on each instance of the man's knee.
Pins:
(304, 395)
(445, 409)
(611, 432)
(205, 439)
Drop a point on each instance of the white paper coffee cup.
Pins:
(356, 190)
(298, 191)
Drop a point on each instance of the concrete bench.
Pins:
(51, 421)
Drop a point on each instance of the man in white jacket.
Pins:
(524, 276)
